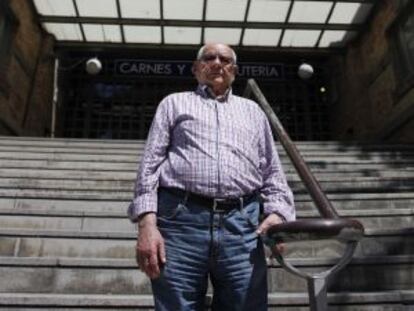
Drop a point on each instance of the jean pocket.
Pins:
(244, 221)
(169, 205)
(170, 212)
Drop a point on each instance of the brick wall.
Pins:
(369, 105)
(27, 83)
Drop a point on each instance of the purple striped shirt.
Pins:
(219, 147)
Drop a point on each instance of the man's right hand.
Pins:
(150, 249)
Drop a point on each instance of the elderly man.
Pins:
(208, 167)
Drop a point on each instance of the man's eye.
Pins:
(225, 60)
(209, 58)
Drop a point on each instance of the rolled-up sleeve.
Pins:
(155, 153)
(276, 193)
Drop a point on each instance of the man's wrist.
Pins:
(282, 218)
(147, 219)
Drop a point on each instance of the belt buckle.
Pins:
(215, 205)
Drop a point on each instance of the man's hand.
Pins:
(150, 250)
(269, 221)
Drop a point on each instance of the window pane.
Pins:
(102, 33)
(142, 34)
(336, 38)
(261, 37)
(140, 9)
(182, 35)
(226, 10)
(224, 35)
(57, 8)
(268, 11)
(64, 31)
(310, 11)
(183, 9)
(300, 38)
(350, 13)
(101, 8)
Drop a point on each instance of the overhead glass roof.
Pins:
(259, 23)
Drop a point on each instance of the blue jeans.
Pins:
(200, 244)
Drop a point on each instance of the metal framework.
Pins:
(111, 105)
(205, 22)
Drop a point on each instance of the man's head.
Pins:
(215, 66)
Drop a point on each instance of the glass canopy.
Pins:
(257, 23)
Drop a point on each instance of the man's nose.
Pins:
(216, 60)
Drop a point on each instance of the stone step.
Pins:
(362, 184)
(133, 157)
(361, 274)
(117, 143)
(367, 168)
(101, 201)
(121, 276)
(347, 301)
(70, 221)
(117, 221)
(354, 204)
(120, 244)
(320, 175)
(123, 162)
(38, 150)
(74, 142)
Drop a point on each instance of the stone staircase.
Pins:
(66, 244)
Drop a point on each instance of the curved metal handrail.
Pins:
(348, 231)
(316, 229)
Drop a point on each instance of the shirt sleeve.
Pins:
(155, 153)
(276, 193)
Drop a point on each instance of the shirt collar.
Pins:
(205, 91)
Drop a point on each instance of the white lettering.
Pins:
(123, 67)
(168, 69)
(147, 68)
(181, 69)
(142, 68)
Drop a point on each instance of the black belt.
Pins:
(216, 204)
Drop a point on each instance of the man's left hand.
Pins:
(269, 221)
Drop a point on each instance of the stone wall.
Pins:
(27, 83)
(370, 104)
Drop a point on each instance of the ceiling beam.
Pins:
(345, 1)
(103, 46)
(193, 23)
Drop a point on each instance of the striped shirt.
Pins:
(217, 147)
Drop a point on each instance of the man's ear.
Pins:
(235, 70)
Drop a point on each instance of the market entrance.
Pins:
(120, 102)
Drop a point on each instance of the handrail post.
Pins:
(348, 231)
(318, 296)
(315, 190)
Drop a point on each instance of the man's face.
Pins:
(216, 68)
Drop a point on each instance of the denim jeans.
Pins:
(202, 244)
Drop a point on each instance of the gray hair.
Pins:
(200, 53)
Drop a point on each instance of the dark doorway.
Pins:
(115, 106)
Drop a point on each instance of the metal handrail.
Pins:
(348, 231)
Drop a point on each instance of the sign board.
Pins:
(159, 68)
